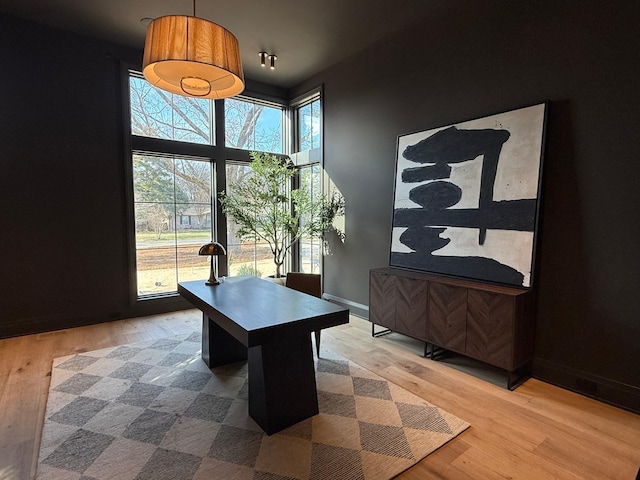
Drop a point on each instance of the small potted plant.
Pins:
(265, 208)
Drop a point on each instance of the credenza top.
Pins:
(453, 281)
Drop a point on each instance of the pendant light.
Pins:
(192, 57)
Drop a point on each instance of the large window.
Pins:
(174, 158)
(179, 147)
(172, 200)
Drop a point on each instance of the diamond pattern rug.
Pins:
(155, 411)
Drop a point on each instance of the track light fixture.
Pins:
(263, 60)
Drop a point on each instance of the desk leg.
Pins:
(282, 383)
(218, 347)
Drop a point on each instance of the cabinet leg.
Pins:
(429, 350)
(380, 333)
(516, 378)
(433, 352)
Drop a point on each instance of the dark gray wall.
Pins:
(479, 58)
(64, 240)
(64, 247)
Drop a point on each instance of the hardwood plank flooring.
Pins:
(536, 432)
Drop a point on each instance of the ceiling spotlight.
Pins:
(272, 62)
(263, 59)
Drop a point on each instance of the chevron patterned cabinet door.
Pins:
(490, 319)
(382, 299)
(411, 307)
(447, 316)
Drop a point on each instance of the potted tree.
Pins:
(265, 208)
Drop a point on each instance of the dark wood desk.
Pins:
(271, 325)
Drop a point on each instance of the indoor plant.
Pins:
(265, 208)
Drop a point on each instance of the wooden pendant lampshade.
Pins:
(192, 57)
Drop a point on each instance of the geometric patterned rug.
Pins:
(155, 411)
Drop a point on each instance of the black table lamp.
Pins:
(213, 249)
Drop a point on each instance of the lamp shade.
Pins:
(212, 248)
(192, 57)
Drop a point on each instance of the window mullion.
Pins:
(175, 217)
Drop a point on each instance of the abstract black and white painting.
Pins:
(466, 198)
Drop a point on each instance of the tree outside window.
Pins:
(251, 125)
(158, 114)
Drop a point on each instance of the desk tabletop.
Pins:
(254, 310)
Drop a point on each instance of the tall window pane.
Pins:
(159, 114)
(172, 201)
(310, 248)
(245, 257)
(309, 126)
(253, 126)
(308, 131)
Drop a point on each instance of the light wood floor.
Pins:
(535, 432)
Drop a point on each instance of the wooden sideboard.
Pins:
(491, 323)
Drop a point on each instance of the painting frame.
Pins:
(467, 197)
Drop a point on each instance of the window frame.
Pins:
(295, 105)
(217, 154)
(302, 159)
